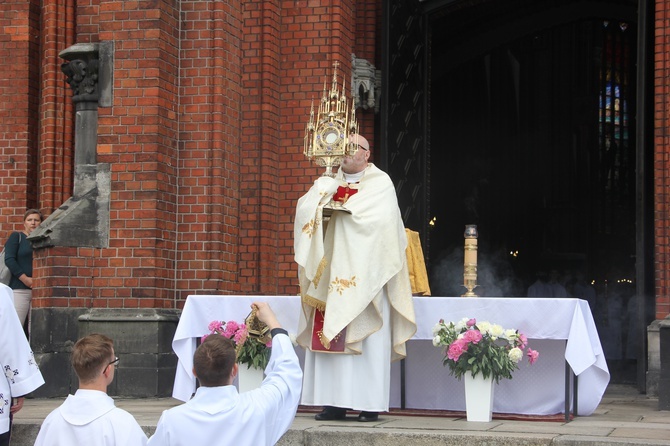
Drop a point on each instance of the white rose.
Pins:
(436, 328)
(436, 341)
(515, 354)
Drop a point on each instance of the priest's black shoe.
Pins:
(368, 416)
(331, 413)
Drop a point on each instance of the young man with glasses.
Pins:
(89, 417)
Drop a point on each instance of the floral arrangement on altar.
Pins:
(481, 347)
(254, 352)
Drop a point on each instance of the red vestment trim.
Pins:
(343, 193)
(336, 344)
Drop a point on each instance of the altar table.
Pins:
(560, 329)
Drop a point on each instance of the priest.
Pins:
(357, 309)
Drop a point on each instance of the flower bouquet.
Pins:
(251, 351)
(481, 347)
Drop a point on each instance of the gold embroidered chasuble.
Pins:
(343, 271)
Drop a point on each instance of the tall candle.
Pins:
(470, 260)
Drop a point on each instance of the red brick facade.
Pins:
(204, 139)
(661, 161)
(19, 43)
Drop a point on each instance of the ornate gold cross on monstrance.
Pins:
(327, 137)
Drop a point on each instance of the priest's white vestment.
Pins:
(21, 374)
(89, 417)
(221, 416)
(354, 272)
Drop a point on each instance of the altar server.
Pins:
(218, 414)
(21, 374)
(89, 417)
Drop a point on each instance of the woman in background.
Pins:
(19, 260)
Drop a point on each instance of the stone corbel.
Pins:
(365, 84)
(83, 220)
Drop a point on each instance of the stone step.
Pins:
(623, 417)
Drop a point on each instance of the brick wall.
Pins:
(661, 159)
(259, 145)
(310, 45)
(138, 138)
(19, 87)
(56, 117)
(204, 140)
(209, 183)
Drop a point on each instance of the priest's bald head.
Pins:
(214, 361)
(359, 160)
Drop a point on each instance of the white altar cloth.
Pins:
(560, 329)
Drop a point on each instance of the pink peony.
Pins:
(231, 328)
(471, 322)
(215, 326)
(457, 348)
(532, 355)
(523, 341)
(240, 335)
(473, 336)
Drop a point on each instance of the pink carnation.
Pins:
(532, 355)
(473, 336)
(457, 348)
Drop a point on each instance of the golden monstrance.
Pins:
(327, 135)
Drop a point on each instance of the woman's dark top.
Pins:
(19, 259)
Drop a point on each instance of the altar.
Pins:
(562, 330)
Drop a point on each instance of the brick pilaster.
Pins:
(19, 77)
(209, 165)
(662, 156)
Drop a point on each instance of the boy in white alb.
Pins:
(89, 417)
(218, 414)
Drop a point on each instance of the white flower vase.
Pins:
(478, 397)
(248, 378)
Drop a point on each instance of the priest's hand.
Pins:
(326, 185)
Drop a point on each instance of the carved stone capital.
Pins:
(365, 84)
(82, 71)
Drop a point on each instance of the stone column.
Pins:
(82, 73)
(83, 220)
